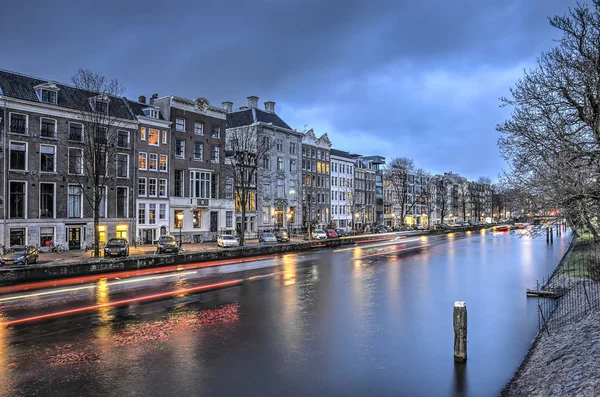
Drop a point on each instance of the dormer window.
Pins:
(152, 113)
(49, 96)
(101, 106)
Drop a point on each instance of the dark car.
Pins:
(167, 243)
(282, 237)
(331, 233)
(20, 255)
(381, 229)
(341, 232)
(116, 247)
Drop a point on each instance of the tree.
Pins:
(463, 199)
(243, 152)
(552, 138)
(310, 208)
(427, 196)
(99, 147)
(398, 173)
(442, 196)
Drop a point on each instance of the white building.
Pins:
(342, 188)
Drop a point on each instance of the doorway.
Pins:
(74, 238)
(214, 221)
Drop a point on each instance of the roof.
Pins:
(254, 115)
(341, 153)
(19, 86)
(138, 108)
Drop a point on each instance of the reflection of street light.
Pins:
(180, 219)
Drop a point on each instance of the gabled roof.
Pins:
(324, 139)
(254, 115)
(18, 86)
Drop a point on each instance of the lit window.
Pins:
(153, 137)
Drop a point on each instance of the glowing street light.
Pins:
(180, 219)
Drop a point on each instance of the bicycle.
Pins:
(51, 247)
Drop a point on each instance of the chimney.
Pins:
(252, 101)
(228, 106)
(142, 99)
(270, 107)
(152, 98)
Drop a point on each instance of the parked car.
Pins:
(421, 227)
(20, 255)
(282, 237)
(167, 243)
(341, 232)
(116, 247)
(381, 229)
(319, 234)
(442, 226)
(227, 240)
(331, 233)
(267, 238)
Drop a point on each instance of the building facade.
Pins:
(342, 188)
(199, 208)
(363, 202)
(275, 202)
(46, 186)
(377, 163)
(316, 190)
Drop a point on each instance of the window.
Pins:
(199, 128)
(163, 135)
(74, 201)
(47, 158)
(180, 125)
(162, 212)
(18, 123)
(198, 149)
(17, 199)
(152, 214)
(266, 214)
(162, 188)
(152, 187)
(163, 163)
(102, 206)
(229, 189)
(292, 147)
(179, 183)
(153, 137)
(214, 154)
(18, 156)
(75, 161)
(18, 236)
(101, 136)
(214, 186)
(197, 219)
(266, 162)
(48, 128)
(141, 213)
(143, 133)
(215, 131)
(122, 165)
(279, 145)
(200, 184)
(48, 96)
(141, 186)
(152, 162)
(177, 224)
(292, 191)
(143, 161)
(75, 132)
(46, 200)
(101, 106)
(228, 218)
(280, 164)
(152, 113)
(122, 205)
(123, 139)
(179, 148)
(266, 142)
(280, 188)
(46, 236)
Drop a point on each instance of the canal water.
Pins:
(374, 320)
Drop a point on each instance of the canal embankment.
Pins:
(564, 358)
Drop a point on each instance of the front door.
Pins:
(214, 221)
(147, 236)
(74, 238)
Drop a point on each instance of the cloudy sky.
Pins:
(388, 77)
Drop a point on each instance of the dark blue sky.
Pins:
(390, 77)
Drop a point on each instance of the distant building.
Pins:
(377, 163)
(316, 190)
(363, 202)
(342, 188)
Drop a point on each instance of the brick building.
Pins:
(316, 191)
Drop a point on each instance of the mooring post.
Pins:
(547, 235)
(460, 332)
(551, 237)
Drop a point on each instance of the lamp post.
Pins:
(180, 219)
(289, 219)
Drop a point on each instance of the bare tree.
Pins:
(311, 209)
(243, 154)
(442, 196)
(427, 196)
(463, 200)
(101, 98)
(398, 173)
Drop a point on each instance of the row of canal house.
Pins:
(167, 174)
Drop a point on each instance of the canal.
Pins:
(371, 320)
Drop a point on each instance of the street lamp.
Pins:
(180, 219)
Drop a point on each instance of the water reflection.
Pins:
(460, 384)
(289, 269)
(4, 356)
(104, 328)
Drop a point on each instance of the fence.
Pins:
(573, 290)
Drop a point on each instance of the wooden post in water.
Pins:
(460, 332)
(551, 237)
(547, 236)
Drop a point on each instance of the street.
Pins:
(375, 318)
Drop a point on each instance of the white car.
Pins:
(319, 234)
(227, 240)
(267, 238)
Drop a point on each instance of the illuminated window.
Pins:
(153, 137)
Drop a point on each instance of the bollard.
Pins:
(460, 332)
(551, 237)
(547, 236)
